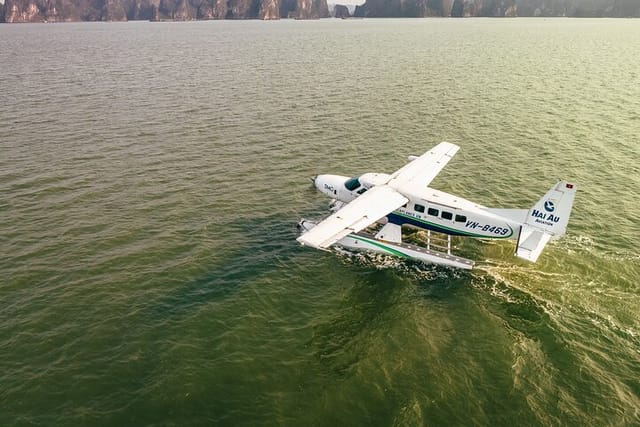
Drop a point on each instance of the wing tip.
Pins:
(310, 244)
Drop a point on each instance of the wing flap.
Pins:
(358, 214)
(421, 171)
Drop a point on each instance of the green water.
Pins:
(151, 175)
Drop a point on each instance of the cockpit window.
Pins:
(352, 183)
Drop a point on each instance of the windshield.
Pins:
(352, 183)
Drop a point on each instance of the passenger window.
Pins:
(461, 218)
(418, 208)
(446, 215)
(362, 190)
(433, 212)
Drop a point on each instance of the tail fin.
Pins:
(546, 220)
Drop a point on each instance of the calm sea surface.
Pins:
(151, 176)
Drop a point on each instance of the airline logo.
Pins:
(549, 206)
(546, 218)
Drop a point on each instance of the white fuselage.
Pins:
(432, 209)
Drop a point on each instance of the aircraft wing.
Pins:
(358, 214)
(421, 171)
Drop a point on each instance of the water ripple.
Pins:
(151, 175)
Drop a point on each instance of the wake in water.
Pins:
(600, 249)
(413, 269)
(563, 333)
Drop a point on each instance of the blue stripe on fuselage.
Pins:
(404, 220)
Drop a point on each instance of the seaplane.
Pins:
(370, 211)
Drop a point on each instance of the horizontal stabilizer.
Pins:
(531, 243)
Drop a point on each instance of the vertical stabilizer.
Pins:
(546, 220)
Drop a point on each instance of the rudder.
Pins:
(546, 220)
(551, 213)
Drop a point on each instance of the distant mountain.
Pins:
(498, 8)
(123, 10)
(339, 11)
(184, 10)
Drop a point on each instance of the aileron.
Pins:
(421, 171)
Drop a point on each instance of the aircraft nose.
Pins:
(320, 182)
(328, 184)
